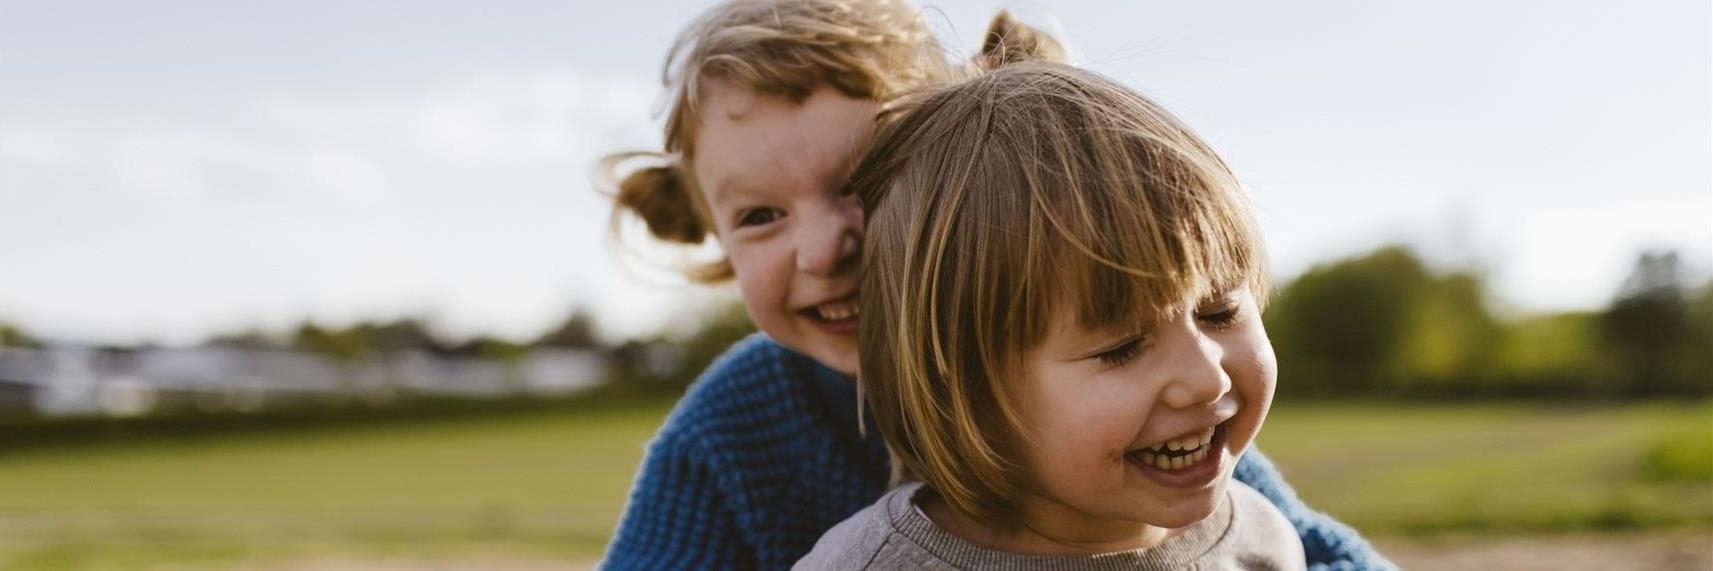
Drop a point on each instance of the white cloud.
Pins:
(467, 199)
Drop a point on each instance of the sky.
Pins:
(175, 169)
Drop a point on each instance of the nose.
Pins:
(829, 241)
(1195, 377)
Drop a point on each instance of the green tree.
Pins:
(1561, 354)
(345, 345)
(1383, 323)
(576, 332)
(1338, 328)
(491, 348)
(248, 339)
(396, 336)
(1653, 332)
(12, 336)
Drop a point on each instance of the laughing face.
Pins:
(1131, 432)
(770, 170)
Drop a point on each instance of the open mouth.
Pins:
(1182, 453)
(836, 312)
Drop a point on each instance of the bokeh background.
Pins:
(328, 285)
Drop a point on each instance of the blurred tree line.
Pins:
(368, 339)
(378, 338)
(1384, 324)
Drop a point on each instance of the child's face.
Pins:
(1093, 402)
(770, 171)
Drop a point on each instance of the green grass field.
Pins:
(550, 486)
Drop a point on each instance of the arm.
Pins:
(675, 519)
(1327, 544)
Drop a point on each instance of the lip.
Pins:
(1218, 422)
(1199, 476)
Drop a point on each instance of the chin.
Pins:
(841, 357)
(838, 353)
(1188, 511)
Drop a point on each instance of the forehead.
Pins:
(760, 140)
(1080, 309)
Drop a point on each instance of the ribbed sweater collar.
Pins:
(1178, 552)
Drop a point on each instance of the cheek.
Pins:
(763, 276)
(1258, 367)
(1254, 375)
(1083, 423)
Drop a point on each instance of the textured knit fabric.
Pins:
(762, 455)
(1243, 533)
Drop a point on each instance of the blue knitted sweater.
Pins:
(762, 456)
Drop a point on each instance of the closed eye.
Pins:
(1121, 353)
(1223, 316)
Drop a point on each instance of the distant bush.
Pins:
(1682, 457)
(1385, 324)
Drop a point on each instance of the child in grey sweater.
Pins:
(1061, 337)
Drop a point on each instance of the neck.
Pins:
(1046, 528)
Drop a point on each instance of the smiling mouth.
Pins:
(842, 310)
(1182, 453)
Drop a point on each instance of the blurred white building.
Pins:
(68, 380)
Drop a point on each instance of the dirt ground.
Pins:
(1670, 551)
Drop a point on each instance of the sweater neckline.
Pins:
(1177, 552)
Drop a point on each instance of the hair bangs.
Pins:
(1126, 224)
(1120, 263)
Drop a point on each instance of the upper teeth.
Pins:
(1187, 443)
(837, 310)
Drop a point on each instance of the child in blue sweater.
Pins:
(774, 101)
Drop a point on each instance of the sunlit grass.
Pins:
(1422, 468)
(551, 485)
(548, 484)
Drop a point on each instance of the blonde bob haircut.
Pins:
(866, 49)
(993, 204)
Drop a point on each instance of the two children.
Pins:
(774, 102)
(1061, 337)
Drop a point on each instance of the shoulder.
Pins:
(752, 386)
(695, 501)
(853, 543)
(1255, 513)
(755, 362)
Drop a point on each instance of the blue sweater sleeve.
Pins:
(1327, 544)
(675, 518)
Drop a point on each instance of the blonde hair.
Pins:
(866, 49)
(992, 204)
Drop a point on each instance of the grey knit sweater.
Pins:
(1244, 532)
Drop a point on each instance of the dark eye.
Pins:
(1122, 353)
(1222, 316)
(759, 216)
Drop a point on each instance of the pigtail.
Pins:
(1009, 41)
(657, 194)
(660, 195)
